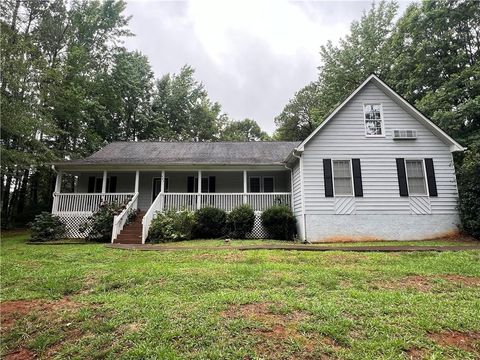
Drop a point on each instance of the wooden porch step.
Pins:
(131, 233)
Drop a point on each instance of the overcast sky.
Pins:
(251, 55)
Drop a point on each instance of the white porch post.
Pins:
(58, 182)
(199, 186)
(245, 187)
(58, 188)
(137, 181)
(162, 191)
(104, 183)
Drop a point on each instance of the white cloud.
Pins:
(251, 55)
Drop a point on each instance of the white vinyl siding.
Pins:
(415, 177)
(344, 137)
(342, 178)
(297, 191)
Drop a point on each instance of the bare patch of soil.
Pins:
(277, 329)
(415, 354)
(426, 283)
(11, 311)
(468, 341)
(20, 354)
(472, 281)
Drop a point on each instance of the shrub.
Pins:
(280, 222)
(210, 223)
(469, 191)
(172, 226)
(47, 227)
(240, 221)
(101, 222)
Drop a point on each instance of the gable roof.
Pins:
(189, 153)
(454, 146)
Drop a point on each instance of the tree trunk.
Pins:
(23, 191)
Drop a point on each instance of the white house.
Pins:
(376, 168)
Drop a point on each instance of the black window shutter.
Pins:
(113, 184)
(402, 177)
(357, 177)
(327, 177)
(165, 185)
(190, 184)
(432, 183)
(91, 184)
(211, 184)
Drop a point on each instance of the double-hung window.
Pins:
(259, 184)
(373, 117)
(342, 178)
(415, 177)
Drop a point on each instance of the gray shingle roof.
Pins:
(186, 153)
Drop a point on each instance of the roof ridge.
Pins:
(204, 142)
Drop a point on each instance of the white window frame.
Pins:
(424, 177)
(263, 183)
(262, 187)
(351, 178)
(382, 120)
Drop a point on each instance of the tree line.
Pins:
(429, 55)
(68, 87)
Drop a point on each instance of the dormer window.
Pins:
(373, 116)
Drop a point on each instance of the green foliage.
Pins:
(210, 223)
(365, 50)
(182, 110)
(469, 190)
(100, 224)
(240, 221)
(172, 226)
(245, 130)
(47, 227)
(280, 222)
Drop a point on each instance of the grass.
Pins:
(88, 301)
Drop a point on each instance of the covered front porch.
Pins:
(157, 190)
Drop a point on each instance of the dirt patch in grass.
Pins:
(277, 330)
(468, 341)
(20, 354)
(15, 311)
(416, 354)
(426, 283)
(11, 311)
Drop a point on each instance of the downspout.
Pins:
(304, 220)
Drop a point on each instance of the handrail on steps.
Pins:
(120, 219)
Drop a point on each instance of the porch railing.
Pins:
(85, 202)
(120, 220)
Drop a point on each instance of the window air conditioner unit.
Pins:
(404, 134)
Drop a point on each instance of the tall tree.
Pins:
(244, 130)
(182, 110)
(364, 51)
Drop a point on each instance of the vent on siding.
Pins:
(404, 134)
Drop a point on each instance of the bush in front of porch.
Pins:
(280, 222)
(47, 227)
(172, 226)
(240, 221)
(211, 223)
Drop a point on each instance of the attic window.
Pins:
(373, 116)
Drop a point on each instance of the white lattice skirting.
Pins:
(74, 222)
(258, 232)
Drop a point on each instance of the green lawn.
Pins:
(88, 301)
